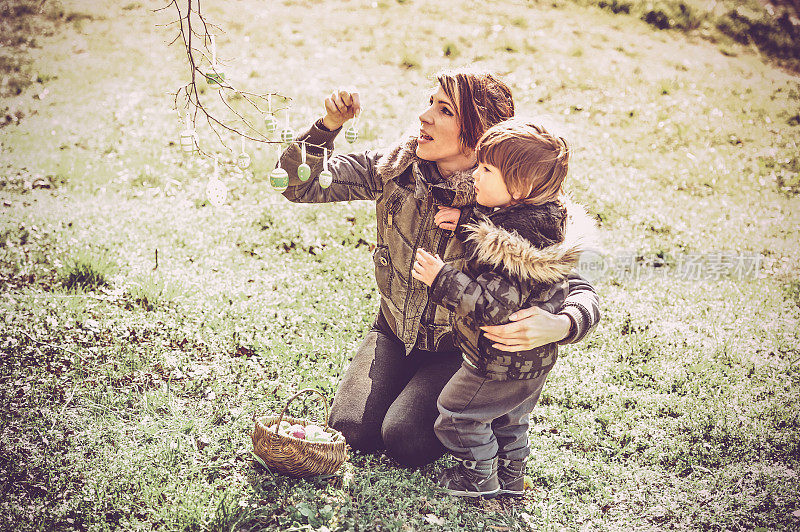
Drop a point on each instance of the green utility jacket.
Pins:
(407, 191)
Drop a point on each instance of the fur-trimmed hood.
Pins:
(456, 190)
(540, 243)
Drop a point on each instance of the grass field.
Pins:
(141, 328)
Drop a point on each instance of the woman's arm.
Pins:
(354, 175)
(532, 327)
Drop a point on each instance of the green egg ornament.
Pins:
(243, 161)
(279, 179)
(287, 135)
(215, 80)
(304, 172)
(270, 123)
(351, 134)
(325, 178)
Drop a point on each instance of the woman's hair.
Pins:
(481, 101)
(533, 162)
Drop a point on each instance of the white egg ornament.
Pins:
(189, 139)
(243, 160)
(325, 176)
(303, 171)
(189, 142)
(216, 191)
(279, 179)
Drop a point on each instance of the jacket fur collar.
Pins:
(526, 240)
(457, 190)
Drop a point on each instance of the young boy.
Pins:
(521, 244)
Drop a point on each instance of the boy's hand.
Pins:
(426, 267)
(447, 218)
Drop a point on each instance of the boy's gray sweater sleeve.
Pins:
(354, 176)
(582, 306)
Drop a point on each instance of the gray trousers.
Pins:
(480, 418)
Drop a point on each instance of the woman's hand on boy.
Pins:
(447, 218)
(529, 328)
(340, 107)
(426, 267)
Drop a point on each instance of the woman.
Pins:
(387, 398)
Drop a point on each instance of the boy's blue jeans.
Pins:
(480, 418)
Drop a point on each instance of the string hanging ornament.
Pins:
(216, 191)
(189, 139)
(215, 77)
(351, 133)
(243, 160)
(325, 176)
(287, 133)
(303, 171)
(270, 122)
(188, 15)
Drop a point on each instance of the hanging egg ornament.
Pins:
(215, 78)
(243, 160)
(189, 142)
(351, 133)
(270, 123)
(189, 139)
(287, 135)
(303, 171)
(216, 191)
(279, 179)
(325, 176)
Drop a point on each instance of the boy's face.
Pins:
(490, 187)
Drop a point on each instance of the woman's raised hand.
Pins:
(529, 328)
(340, 107)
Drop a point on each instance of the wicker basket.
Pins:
(295, 457)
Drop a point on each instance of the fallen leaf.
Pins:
(434, 520)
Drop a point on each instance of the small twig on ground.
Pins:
(52, 346)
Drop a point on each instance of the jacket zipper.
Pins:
(420, 232)
(430, 309)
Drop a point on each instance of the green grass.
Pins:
(129, 385)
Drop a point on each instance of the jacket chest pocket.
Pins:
(393, 206)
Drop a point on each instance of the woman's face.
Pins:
(439, 140)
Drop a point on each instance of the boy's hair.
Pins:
(533, 162)
(481, 101)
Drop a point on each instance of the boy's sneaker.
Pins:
(511, 476)
(471, 478)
